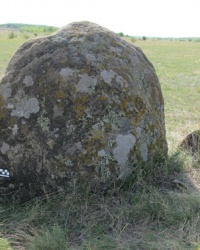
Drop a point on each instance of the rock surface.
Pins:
(191, 143)
(78, 106)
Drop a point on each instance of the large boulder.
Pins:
(79, 106)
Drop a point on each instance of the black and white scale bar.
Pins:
(4, 173)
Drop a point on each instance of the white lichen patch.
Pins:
(77, 39)
(5, 91)
(86, 84)
(66, 72)
(144, 151)
(121, 81)
(124, 145)
(28, 81)
(15, 129)
(77, 147)
(44, 123)
(26, 108)
(70, 128)
(50, 143)
(19, 96)
(113, 118)
(138, 131)
(10, 106)
(58, 111)
(4, 148)
(103, 166)
(101, 153)
(108, 76)
(98, 126)
(64, 160)
(90, 57)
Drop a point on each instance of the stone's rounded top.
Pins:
(81, 105)
(83, 27)
(92, 38)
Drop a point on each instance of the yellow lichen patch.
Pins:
(73, 89)
(11, 122)
(97, 135)
(99, 138)
(80, 105)
(139, 104)
(79, 110)
(102, 98)
(124, 103)
(59, 94)
(114, 42)
(92, 144)
(87, 69)
(134, 108)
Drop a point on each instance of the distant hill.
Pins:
(29, 27)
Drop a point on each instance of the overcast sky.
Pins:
(161, 18)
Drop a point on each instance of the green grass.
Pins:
(9, 46)
(4, 245)
(157, 208)
(7, 49)
(148, 219)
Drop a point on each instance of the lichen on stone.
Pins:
(28, 80)
(103, 167)
(4, 148)
(65, 72)
(86, 84)
(79, 106)
(42, 120)
(44, 123)
(15, 129)
(124, 145)
(5, 90)
(108, 76)
(26, 107)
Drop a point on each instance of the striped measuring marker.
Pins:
(4, 173)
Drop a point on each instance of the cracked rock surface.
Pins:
(79, 106)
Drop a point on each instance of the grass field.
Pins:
(144, 215)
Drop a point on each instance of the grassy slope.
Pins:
(147, 218)
(7, 48)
